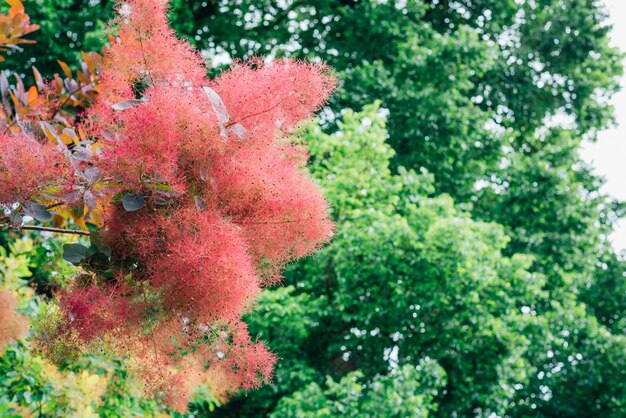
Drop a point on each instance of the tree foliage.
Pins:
(411, 277)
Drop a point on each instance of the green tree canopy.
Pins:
(410, 277)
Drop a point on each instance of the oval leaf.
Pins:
(239, 131)
(218, 105)
(90, 200)
(74, 253)
(38, 212)
(133, 202)
(41, 213)
(200, 203)
(16, 219)
(92, 174)
(127, 104)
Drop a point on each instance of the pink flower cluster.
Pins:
(227, 203)
(12, 324)
(29, 167)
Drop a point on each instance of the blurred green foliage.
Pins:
(66, 28)
(407, 391)
(410, 276)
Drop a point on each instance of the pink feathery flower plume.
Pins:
(207, 199)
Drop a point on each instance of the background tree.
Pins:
(410, 277)
(66, 28)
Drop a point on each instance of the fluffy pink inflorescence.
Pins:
(272, 99)
(12, 324)
(94, 310)
(28, 167)
(197, 261)
(227, 203)
(160, 141)
(280, 212)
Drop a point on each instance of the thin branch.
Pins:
(54, 205)
(10, 125)
(67, 99)
(145, 60)
(9, 120)
(287, 221)
(49, 229)
(259, 113)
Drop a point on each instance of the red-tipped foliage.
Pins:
(194, 258)
(277, 97)
(28, 167)
(219, 202)
(12, 324)
(280, 211)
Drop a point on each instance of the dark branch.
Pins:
(49, 229)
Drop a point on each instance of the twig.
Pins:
(228, 125)
(287, 221)
(67, 99)
(49, 229)
(145, 60)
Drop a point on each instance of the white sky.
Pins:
(608, 155)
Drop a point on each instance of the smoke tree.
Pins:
(13, 27)
(12, 324)
(200, 194)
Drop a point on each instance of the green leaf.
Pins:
(99, 262)
(74, 253)
(95, 237)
